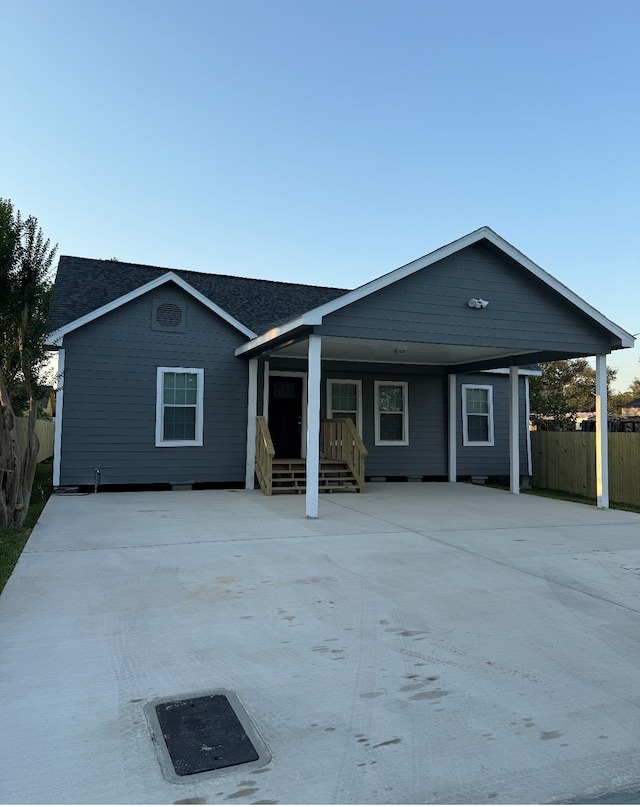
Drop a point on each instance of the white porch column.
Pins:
(602, 434)
(452, 441)
(514, 431)
(57, 433)
(527, 421)
(252, 410)
(313, 424)
(265, 392)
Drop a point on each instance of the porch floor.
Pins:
(422, 643)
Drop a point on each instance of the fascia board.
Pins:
(315, 315)
(505, 371)
(55, 338)
(487, 233)
(626, 338)
(398, 274)
(309, 319)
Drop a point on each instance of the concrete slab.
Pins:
(421, 643)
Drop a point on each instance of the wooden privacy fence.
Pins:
(567, 461)
(44, 430)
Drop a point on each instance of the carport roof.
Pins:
(314, 317)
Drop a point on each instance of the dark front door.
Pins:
(285, 415)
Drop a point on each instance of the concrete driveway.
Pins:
(420, 643)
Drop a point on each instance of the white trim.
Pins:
(303, 423)
(358, 384)
(465, 422)
(602, 434)
(57, 428)
(299, 322)
(55, 338)
(523, 371)
(265, 391)
(315, 315)
(252, 411)
(314, 363)
(405, 413)
(199, 431)
(514, 431)
(452, 441)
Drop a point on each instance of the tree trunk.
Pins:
(27, 464)
(8, 458)
(28, 459)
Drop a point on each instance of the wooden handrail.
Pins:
(265, 453)
(341, 441)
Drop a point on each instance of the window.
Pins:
(392, 413)
(477, 415)
(180, 395)
(344, 400)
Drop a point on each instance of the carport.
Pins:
(476, 304)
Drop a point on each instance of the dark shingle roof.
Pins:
(84, 284)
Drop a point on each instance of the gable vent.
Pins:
(169, 315)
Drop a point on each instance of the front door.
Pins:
(285, 415)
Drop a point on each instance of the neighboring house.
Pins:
(166, 372)
(632, 408)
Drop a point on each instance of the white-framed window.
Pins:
(477, 415)
(344, 400)
(179, 404)
(391, 413)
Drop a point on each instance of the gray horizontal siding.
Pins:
(431, 305)
(427, 454)
(109, 409)
(491, 460)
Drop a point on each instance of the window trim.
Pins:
(405, 413)
(358, 386)
(199, 438)
(465, 416)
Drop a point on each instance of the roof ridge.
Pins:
(165, 269)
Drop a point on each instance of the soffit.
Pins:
(382, 351)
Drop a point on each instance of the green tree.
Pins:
(619, 399)
(25, 291)
(564, 389)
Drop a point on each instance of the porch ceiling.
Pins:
(383, 351)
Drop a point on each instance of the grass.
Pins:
(564, 496)
(13, 539)
(574, 497)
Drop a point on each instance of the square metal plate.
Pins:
(201, 734)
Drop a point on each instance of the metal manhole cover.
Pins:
(203, 734)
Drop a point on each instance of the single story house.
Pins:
(178, 377)
(632, 408)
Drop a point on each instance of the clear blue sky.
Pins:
(330, 142)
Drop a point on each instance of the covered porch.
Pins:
(329, 454)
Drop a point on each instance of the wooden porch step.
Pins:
(290, 476)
